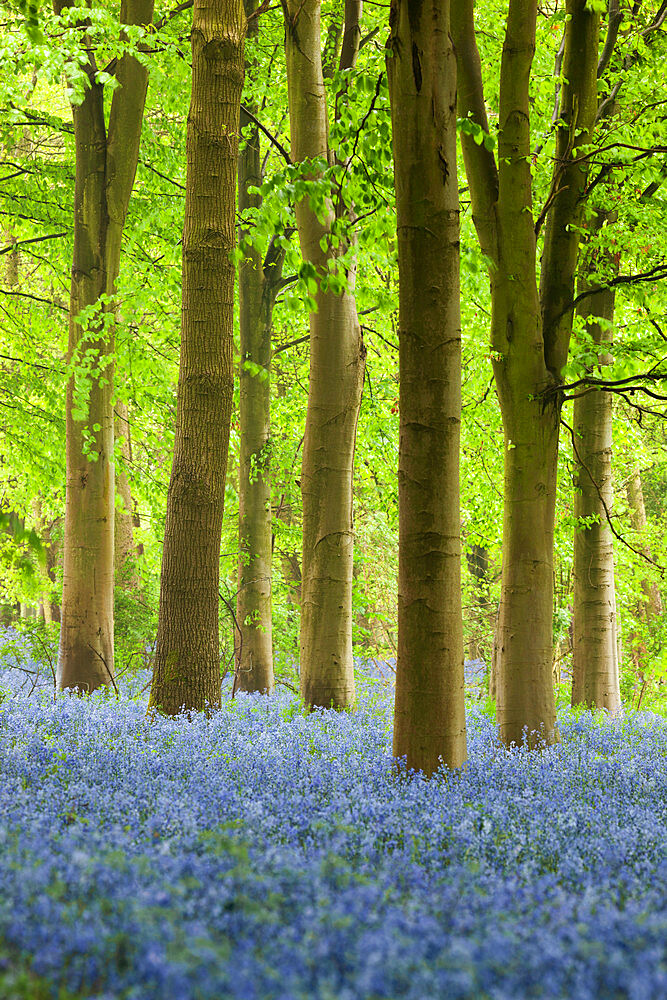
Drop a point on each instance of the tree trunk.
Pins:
(530, 332)
(42, 529)
(258, 285)
(124, 549)
(649, 606)
(477, 557)
(429, 718)
(53, 558)
(337, 357)
(106, 162)
(595, 667)
(290, 559)
(331, 50)
(187, 660)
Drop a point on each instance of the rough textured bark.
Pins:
(595, 667)
(187, 663)
(429, 717)
(529, 337)
(337, 358)
(106, 162)
(258, 285)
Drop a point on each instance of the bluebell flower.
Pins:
(264, 853)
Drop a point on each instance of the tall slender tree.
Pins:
(337, 357)
(429, 723)
(649, 606)
(187, 659)
(124, 547)
(106, 163)
(530, 329)
(259, 283)
(596, 647)
(595, 666)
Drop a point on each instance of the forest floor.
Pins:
(266, 853)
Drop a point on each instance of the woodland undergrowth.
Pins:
(264, 852)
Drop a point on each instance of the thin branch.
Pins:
(238, 628)
(263, 8)
(368, 38)
(558, 65)
(291, 343)
(35, 298)
(158, 25)
(164, 177)
(656, 273)
(614, 21)
(11, 247)
(269, 135)
(111, 677)
(31, 364)
(607, 513)
(389, 343)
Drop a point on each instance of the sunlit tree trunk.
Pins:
(42, 530)
(649, 606)
(337, 357)
(429, 719)
(595, 667)
(477, 557)
(258, 285)
(106, 162)
(124, 547)
(529, 331)
(187, 664)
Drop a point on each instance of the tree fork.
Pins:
(106, 163)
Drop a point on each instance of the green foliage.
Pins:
(30, 10)
(18, 982)
(467, 126)
(37, 182)
(135, 628)
(31, 646)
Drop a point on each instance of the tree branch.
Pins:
(480, 163)
(35, 239)
(607, 512)
(269, 135)
(614, 21)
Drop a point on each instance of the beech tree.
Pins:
(187, 659)
(106, 163)
(429, 719)
(595, 657)
(349, 192)
(530, 328)
(595, 667)
(649, 606)
(259, 283)
(337, 356)
(125, 552)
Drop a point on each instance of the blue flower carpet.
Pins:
(265, 854)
